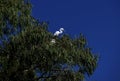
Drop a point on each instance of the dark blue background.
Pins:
(98, 20)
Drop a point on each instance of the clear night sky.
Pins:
(98, 20)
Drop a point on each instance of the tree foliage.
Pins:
(29, 55)
(14, 15)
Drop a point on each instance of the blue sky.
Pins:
(98, 20)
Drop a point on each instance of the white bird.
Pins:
(53, 41)
(59, 32)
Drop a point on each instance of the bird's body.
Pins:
(56, 33)
(53, 41)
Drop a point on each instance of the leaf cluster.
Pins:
(32, 49)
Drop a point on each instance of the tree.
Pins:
(27, 53)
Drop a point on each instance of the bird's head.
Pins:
(61, 29)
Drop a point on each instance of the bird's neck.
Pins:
(61, 31)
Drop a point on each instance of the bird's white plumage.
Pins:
(53, 41)
(57, 33)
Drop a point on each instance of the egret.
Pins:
(57, 33)
(53, 41)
